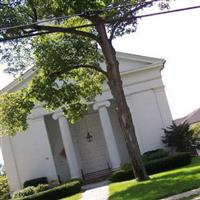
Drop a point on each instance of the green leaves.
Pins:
(67, 75)
(181, 137)
(14, 108)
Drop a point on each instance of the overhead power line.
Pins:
(64, 17)
(168, 11)
(89, 25)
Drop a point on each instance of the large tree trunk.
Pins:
(124, 115)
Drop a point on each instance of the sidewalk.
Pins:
(184, 195)
(96, 191)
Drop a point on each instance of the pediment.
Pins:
(128, 64)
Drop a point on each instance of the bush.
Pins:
(154, 166)
(41, 188)
(127, 167)
(168, 163)
(24, 192)
(35, 182)
(58, 192)
(122, 175)
(30, 190)
(4, 191)
(155, 154)
(181, 137)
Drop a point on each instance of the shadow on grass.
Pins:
(160, 185)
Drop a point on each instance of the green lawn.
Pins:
(73, 197)
(161, 185)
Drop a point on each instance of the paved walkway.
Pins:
(95, 191)
(184, 195)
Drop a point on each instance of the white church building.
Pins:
(53, 148)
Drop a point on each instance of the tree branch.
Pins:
(125, 17)
(91, 67)
(68, 30)
(25, 36)
(53, 29)
(98, 69)
(34, 10)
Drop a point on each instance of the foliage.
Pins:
(24, 192)
(4, 190)
(30, 190)
(160, 185)
(153, 166)
(168, 163)
(80, 27)
(35, 182)
(122, 175)
(14, 108)
(58, 192)
(181, 137)
(68, 75)
(155, 154)
(41, 188)
(196, 128)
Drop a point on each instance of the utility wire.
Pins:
(65, 17)
(169, 11)
(107, 22)
(81, 14)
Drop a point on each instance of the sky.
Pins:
(175, 38)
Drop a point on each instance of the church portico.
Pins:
(53, 148)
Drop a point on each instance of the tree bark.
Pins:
(124, 115)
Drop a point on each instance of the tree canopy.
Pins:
(68, 75)
(60, 40)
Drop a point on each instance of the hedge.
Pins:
(30, 190)
(58, 192)
(168, 163)
(35, 182)
(155, 166)
(121, 175)
(155, 154)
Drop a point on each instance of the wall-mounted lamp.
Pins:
(89, 137)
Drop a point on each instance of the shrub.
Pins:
(41, 188)
(122, 175)
(154, 166)
(127, 167)
(168, 163)
(155, 154)
(181, 137)
(35, 182)
(58, 192)
(24, 192)
(4, 191)
(30, 190)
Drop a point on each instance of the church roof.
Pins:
(191, 118)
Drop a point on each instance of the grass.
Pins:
(160, 185)
(73, 197)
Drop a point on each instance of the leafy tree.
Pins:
(4, 190)
(196, 128)
(181, 137)
(66, 58)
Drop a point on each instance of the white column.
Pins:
(68, 145)
(163, 106)
(12, 171)
(108, 133)
(129, 101)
